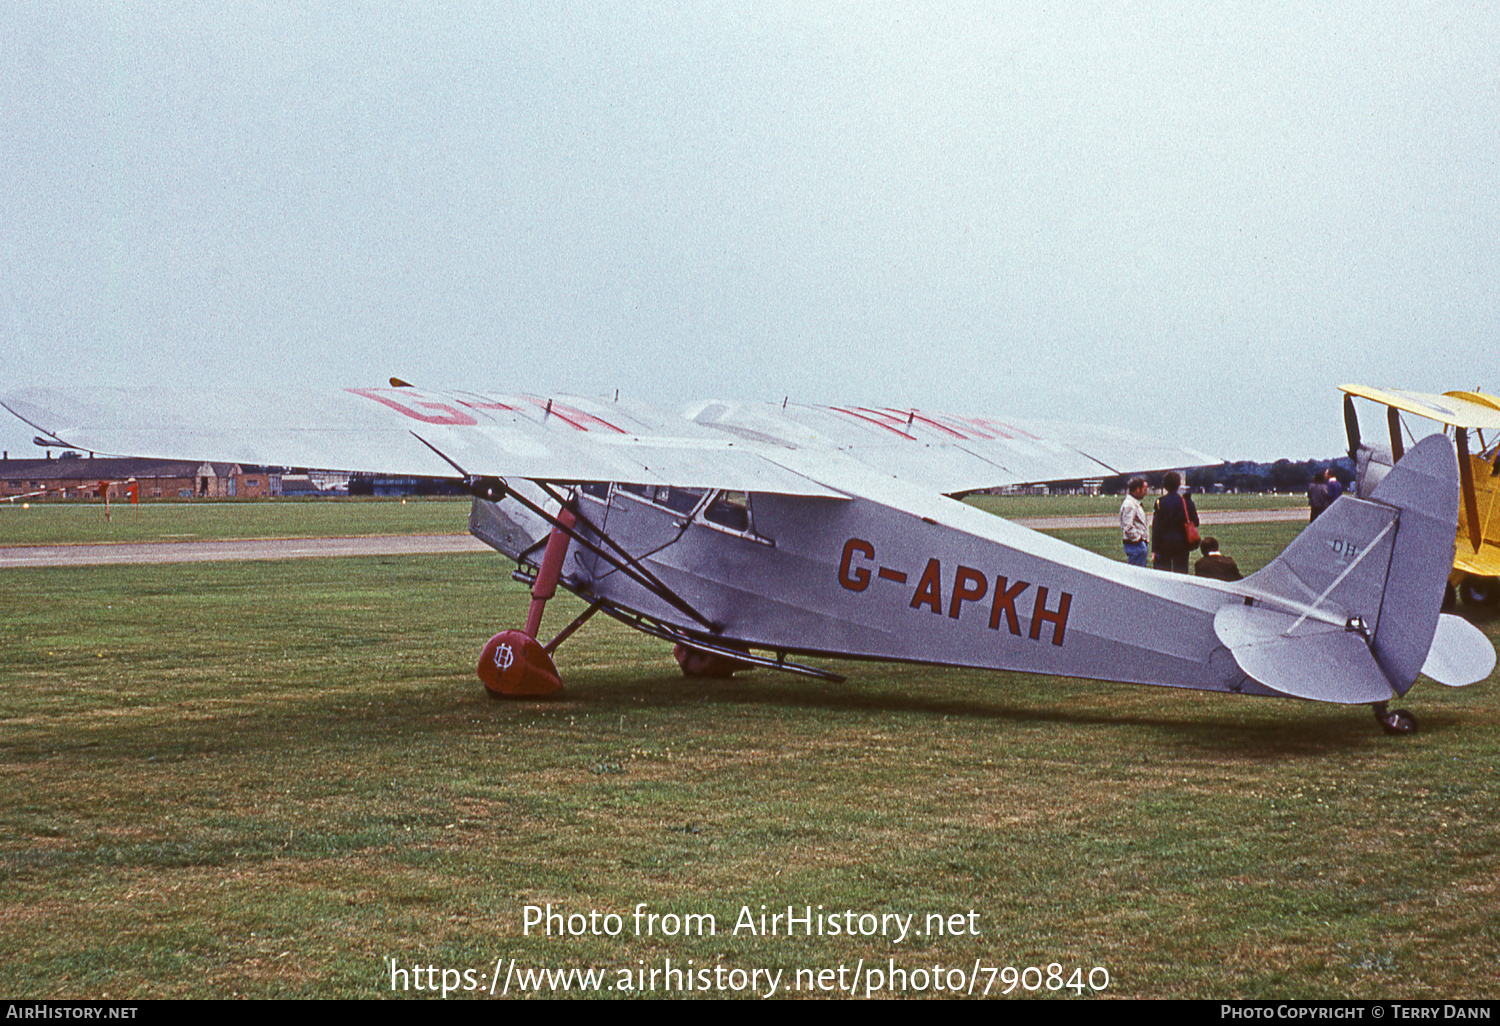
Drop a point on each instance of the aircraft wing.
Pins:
(950, 453)
(1456, 409)
(742, 447)
(403, 430)
(1477, 550)
(1484, 563)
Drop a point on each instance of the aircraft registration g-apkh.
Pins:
(756, 534)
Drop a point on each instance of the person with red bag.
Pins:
(1174, 527)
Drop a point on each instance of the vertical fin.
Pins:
(1349, 611)
(1424, 486)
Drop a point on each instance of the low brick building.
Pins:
(78, 477)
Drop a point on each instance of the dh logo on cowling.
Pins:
(504, 657)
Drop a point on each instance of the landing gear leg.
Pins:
(1399, 722)
(514, 664)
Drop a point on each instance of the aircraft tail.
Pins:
(1349, 612)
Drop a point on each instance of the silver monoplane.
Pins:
(760, 534)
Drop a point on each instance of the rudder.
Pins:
(1349, 611)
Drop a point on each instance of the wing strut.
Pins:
(666, 632)
(1351, 426)
(493, 489)
(1466, 483)
(630, 566)
(578, 622)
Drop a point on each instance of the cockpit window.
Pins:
(724, 511)
(682, 500)
(678, 500)
(729, 509)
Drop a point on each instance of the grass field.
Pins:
(271, 779)
(55, 523)
(1017, 507)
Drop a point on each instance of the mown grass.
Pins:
(55, 523)
(1017, 507)
(268, 779)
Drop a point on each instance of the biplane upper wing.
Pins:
(1478, 544)
(737, 446)
(1456, 409)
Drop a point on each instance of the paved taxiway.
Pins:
(413, 544)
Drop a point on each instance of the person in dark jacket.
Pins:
(1169, 526)
(1215, 564)
(1318, 496)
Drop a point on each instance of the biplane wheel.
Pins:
(1479, 591)
(1450, 598)
(515, 665)
(1399, 722)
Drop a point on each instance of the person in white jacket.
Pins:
(1133, 522)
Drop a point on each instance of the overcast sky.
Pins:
(1193, 219)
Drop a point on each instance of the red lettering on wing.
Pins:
(569, 415)
(872, 417)
(448, 414)
(480, 403)
(999, 428)
(913, 416)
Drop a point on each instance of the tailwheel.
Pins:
(516, 665)
(1399, 722)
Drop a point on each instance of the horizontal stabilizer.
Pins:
(1460, 653)
(1307, 659)
(1367, 576)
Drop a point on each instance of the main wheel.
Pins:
(515, 665)
(1399, 722)
(1479, 591)
(698, 663)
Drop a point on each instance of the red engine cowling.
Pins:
(515, 665)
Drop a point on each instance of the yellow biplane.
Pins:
(1476, 558)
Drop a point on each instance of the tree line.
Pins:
(1248, 476)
